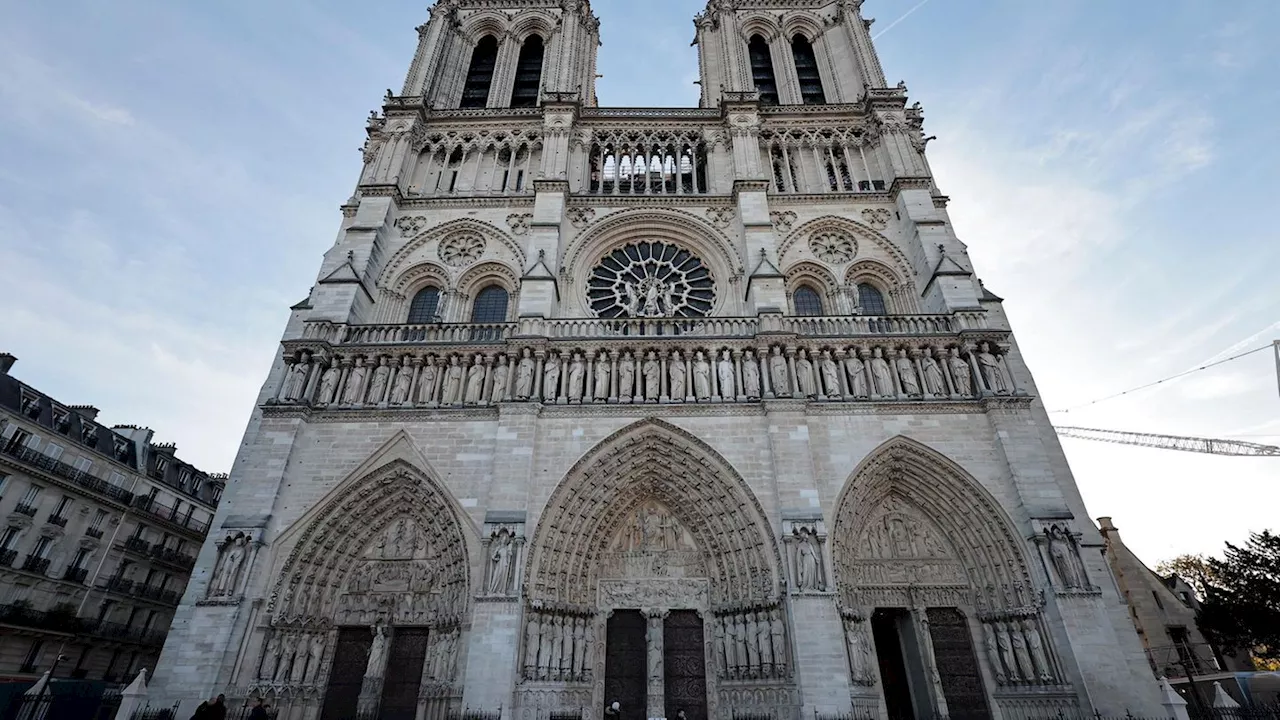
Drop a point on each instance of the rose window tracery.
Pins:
(833, 247)
(651, 280)
(459, 250)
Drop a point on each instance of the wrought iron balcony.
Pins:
(60, 469)
(173, 557)
(93, 533)
(35, 564)
(25, 509)
(7, 557)
(57, 520)
(137, 545)
(75, 575)
(120, 585)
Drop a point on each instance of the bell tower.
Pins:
(504, 54)
(809, 52)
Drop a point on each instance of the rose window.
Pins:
(459, 250)
(650, 280)
(833, 247)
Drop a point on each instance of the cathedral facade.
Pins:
(698, 411)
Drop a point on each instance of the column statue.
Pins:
(804, 375)
(381, 376)
(475, 381)
(355, 383)
(577, 375)
(750, 376)
(701, 377)
(676, 372)
(724, 373)
(602, 374)
(856, 371)
(830, 375)
(778, 374)
(403, 383)
(452, 383)
(524, 375)
(934, 383)
(961, 374)
(499, 392)
(991, 370)
(882, 375)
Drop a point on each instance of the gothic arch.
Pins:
(758, 23)
(868, 238)
(653, 460)
(673, 226)
(817, 277)
(411, 254)
(489, 22)
(798, 23)
(979, 535)
(532, 23)
(342, 534)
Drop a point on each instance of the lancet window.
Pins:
(660, 163)
(475, 93)
(819, 161)
(871, 300)
(762, 70)
(528, 74)
(425, 306)
(807, 301)
(807, 71)
(490, 305)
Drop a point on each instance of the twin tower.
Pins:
(702, 411)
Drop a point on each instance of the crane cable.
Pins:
(1159, 382)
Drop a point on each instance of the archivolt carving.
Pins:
(391, 535)
(625, 480)
(421, 275)
(484, 274)
(799, 23)
(463, 227)
(909, 516)
(476, 26)
(806, 272)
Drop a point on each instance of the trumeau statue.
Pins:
(377, 653)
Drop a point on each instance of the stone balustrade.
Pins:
(601, 362)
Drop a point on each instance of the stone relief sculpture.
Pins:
(750, 376)
(804, 376)
(403, 383)
(524, 376)
(725, 375)
(907, 374)
(677, 377)
(475, 381)
(961, 374)
(226, 576)
(992, 373)
(778, 374)
(701, 377)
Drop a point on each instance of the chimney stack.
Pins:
(6, 362)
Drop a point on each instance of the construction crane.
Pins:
(1211, 446)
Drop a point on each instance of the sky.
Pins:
(170, 174)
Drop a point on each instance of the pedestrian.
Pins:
(218, 710)
(614, 711)
(202, 712)
(259, 711)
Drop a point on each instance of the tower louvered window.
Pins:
(475, 93)
(807, 71)
(762, 70)
(528, 74)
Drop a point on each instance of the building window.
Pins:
(98, 519)
(53, 451)
(78, 562)
(41, 550)
(4, 480)
(528, 74)
(162, 464)
(116, 478)
(19, 438)
(807, 71)
(871, 300)
(8, 538)
(32, 494)
(490, 306)
(807, 301)
(424, 306)
(762, 70)
(63, 509)
(29, 665)
(475, 93)
(84, 464)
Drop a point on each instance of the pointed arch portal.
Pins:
(654, 580)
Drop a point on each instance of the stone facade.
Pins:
(698, 409)
(99, 530)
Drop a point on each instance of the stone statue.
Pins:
(381, 376)
(724, 373)
(286, 655)
(579, 647)
(1006, 651)
(854, 368)
(750, 376)
(830, 375)
(1062, 554)
(960, 374)
(404, 381)
(377, 653)
(296, 382)
(270, 658)
(882, 375)
(298, 673)
(355, 383)
(475, 381)
(676, 370)
(316, 653)
(557, 647)
(859, 652)
(427, 383)
(588, 646)
(451, 654)
(532, 633)
(652, 377)
(500, 373)
(626, 376)
(227, 577)
(807, 572)
(907, 374)
(701, 377)
(452, 383)
(934, 384)
(501, 559)
(577, 375)
(329, 383)
(731, 645)
(719, 648)
(778, 637)
(804, 375)
(993, 654)
(750, 635)
(778, 374)
(991, 370)
(762, 640)
(1036, 646)
(524, 375)
(551, 378)
(601, 389)
(1020, 653)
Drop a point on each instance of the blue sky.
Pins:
(170, 174)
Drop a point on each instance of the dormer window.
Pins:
(31, 406)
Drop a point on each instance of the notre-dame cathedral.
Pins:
(704, 412)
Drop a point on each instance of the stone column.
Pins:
(655, 694)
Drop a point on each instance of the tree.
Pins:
(1193, 569)
(1241, 606)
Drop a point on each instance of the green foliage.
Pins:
(1241, 607)
(1193, 569)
